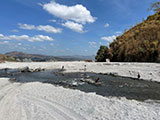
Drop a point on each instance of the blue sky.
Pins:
(66, 27)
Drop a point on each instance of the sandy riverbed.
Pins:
(39, 101)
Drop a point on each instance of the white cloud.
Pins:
(77, 13)
(39, 38)
(53, 20)
(4, 42)
(85, 50)
(46, 28)
(109, 38)
(1, 35)
(26, 26)
(92, 44)
(118, 32)
(19, 44)
(106, 25)
(14, 30)
(74, 26)
(67, 49)
(51, 44)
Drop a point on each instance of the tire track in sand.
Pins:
(56, 110)
(7, 101)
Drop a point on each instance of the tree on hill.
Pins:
(155, 6)
(139, 44)
(102, 54)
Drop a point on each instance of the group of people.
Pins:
(85, 69)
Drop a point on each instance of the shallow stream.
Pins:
(109, 85)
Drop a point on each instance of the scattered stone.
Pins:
(107, 60)
(25, 69)
(90, 81)
(31, 70)
(12, 79)
(38, 70)
(126, 84)
(113, 74)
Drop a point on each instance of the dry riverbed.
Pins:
(43, 101)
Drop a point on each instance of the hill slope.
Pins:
(139, 44)
(6, 58)
(33, 57)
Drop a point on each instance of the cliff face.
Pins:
(139, 44)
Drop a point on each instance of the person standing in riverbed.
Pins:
(62, 68)
(85, 68)
(97, 80)
(138, 75)
(6, 70)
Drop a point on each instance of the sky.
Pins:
(66, 27)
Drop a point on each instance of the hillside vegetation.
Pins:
(6, 58)
(25, 57)
(139, 44)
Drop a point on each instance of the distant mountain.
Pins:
(76, 57)
(21, 56)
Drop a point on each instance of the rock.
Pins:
(12, 79)
(31, 70)
(90, 81)
(107, 60)
(113, 74)
(25, 69)
(38, 70)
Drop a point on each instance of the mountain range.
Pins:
(21, 56)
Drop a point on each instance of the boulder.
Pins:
(25, 69)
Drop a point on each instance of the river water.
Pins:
(109, 85)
